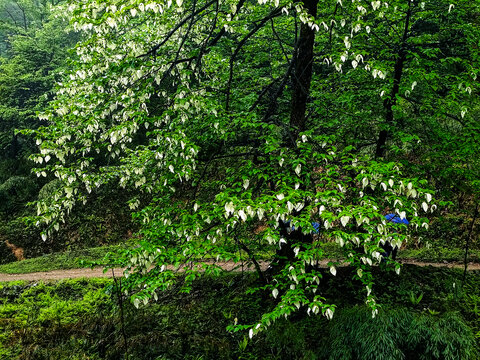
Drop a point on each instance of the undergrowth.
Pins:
(80, 319)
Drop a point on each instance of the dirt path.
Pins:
(98, 273)
(229, 266)
(59, 275)
(452, 265)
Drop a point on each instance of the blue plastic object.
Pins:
(396, 219)
(316, 227)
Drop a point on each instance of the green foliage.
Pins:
(33, 52)
(15, 192)
(41, 311)
(36, 50)
(415, 300)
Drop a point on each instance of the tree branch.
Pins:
(262, 22)
(176, 28)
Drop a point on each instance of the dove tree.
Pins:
(209, 109)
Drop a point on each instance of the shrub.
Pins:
(396, 335)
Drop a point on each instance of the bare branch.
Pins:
(177, 27)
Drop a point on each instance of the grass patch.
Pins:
(439, 254)
(57, 261)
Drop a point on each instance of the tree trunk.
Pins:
(302, 75)
(391, 101)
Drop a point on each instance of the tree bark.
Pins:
(302, 77)
(302, 74)
(391, 101)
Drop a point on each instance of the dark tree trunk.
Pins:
(286, 253)
(302, 74)
(390, 102)
(301, 77)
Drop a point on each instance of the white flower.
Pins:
(242, 215)
(329, 314)
(275, 293)
(424, 206)
(296, 251)
(298, 169)
(364, 182)
(229, 208)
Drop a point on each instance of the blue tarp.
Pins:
(316, 227)
(396, 219)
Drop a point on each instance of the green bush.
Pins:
(15, 192)
(49, 188)
(450, 229)
(397, 335)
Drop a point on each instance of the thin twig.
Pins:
(467, 243)
(118, 285)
